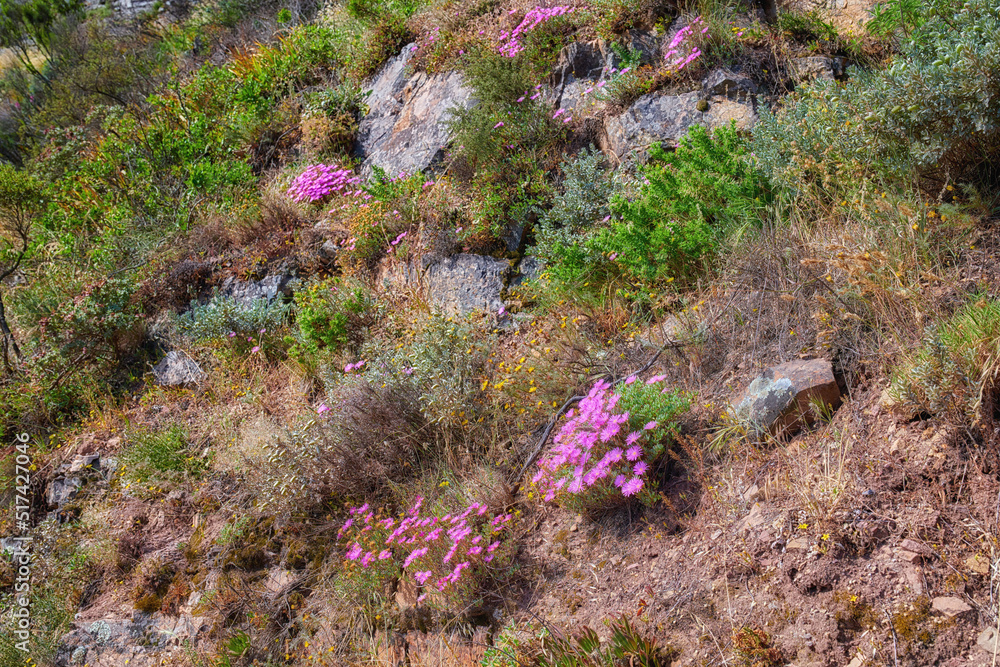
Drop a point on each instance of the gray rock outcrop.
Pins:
(804, 70)
(659, 117)
(465, 283)
(62, 490)
(405, 129)
(177, 370)
(145, 640)
(247, 291)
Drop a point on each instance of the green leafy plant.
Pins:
(932, 113)
(331, 314)
(583, 203)
(224, 319)
(158, 459)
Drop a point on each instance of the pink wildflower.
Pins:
(649, 426)
(632, 487)
(633, 453)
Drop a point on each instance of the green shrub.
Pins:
(903, 16)
(583, 203)
(646, 402)
(954, 372)
(935, 109)
(507, 146)
(223, 319)
(332, 314)
(690, 200)
(159, 459)
(443, 362)
(93, 327)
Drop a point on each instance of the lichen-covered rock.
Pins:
(659, 117)
(405, 129)
(779, 401)
(804, 70)
(62, 490)
(725, 83)
(247, 291)
(465, 283)
(530, 268)
(581, 66)
(176, 370)
(145, 640)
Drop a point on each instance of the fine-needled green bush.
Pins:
(331, 314)
(508, 140)
(689, 200)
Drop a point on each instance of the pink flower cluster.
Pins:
(682, 50)
(589, 448)
(319, 181)
(441, 547)
(510, 44)
(355, 366)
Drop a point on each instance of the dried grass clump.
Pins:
(373, 437)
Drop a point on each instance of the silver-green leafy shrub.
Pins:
(936, 105)
(587, 188)
(224, 317)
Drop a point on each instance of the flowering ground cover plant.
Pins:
(447, 553)
(597, 462)
(510, 44)
(684, 47)
(319, 181)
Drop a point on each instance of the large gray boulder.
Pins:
(405, 129)
(804, 70)
(583, 66)
(464, 283)
(659, 117)
(780, 401)
(725, 83)
(177, 370)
